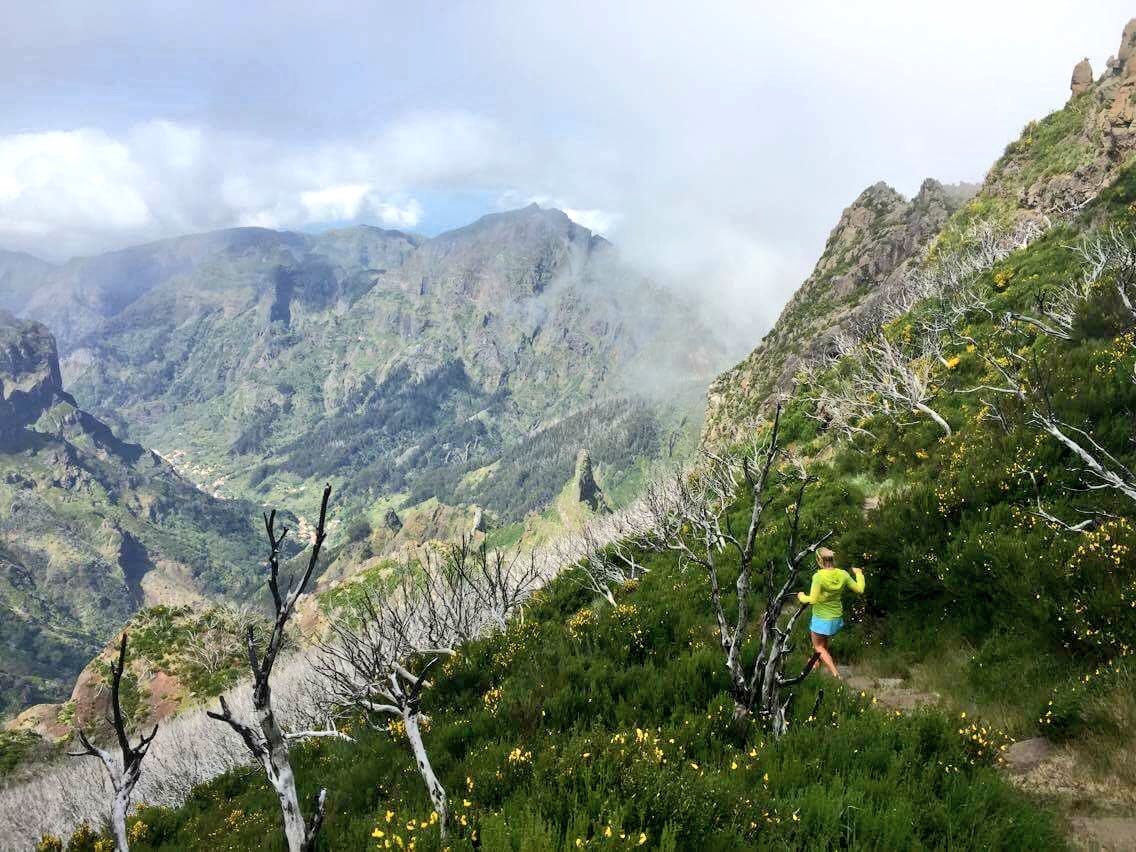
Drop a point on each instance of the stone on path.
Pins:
(1024, 755)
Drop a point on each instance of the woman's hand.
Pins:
(858, 571)
(802, 597)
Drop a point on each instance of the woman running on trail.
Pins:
(825, 598)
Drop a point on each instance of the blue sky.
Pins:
(716, 143)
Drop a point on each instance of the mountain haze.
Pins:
(365, 355)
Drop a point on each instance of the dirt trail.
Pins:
(1101, 816)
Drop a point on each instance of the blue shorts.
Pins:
(826, 626)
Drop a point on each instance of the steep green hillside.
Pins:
(593, 726)
(873, 246)
(91, 527)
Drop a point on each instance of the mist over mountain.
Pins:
(263, 362)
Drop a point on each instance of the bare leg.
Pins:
(820, 645)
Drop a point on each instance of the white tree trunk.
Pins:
(278, 767)
(926, 409)
(118, 812)
(433, 786)
(1108, 477)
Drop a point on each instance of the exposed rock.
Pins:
(1082, 77)
(1104, 833)
(480, 524)
(880, 234)
(867, 252)
(83, 502)
(587, 490)
(1103, 139)
(30, 381)
(392, 521)
(1024, 755)
(42, 719)
(1127, 51)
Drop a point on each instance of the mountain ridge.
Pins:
(374, 345)
(91, 527)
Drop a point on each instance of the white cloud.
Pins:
(596, 221)
(86, 190)
(334, 203)
(60, 181)
(407, 215)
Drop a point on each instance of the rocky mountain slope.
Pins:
(91, 527)
(261, 362)
(877, 237)
(1050, 172)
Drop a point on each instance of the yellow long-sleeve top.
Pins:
(827, 591)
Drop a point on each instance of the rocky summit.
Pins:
(877, 236)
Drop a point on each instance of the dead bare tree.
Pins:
(890, 374)
(944, 275)
(692, 519)
(1020, 377)
(1109, 262)
(500, 581)
(123, 775)
(1112, 255)
(269, 744)
(377, 658)
(602, 554)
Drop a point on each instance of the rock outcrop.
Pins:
(1062, 162)
(877, 235)
(585, 487)
(1052, 171)
(85, 534)
(480, 524)
(392, 521)
(30, 382)
(1082, 77)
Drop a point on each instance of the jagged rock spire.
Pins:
(30, 381)
(587, 489)
(1082, 77)
(1127, 52)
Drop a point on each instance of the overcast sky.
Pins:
(715, 142)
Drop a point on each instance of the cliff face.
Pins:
(30, 381)
(877, 235)
(91, 527)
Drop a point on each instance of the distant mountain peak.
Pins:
(30, 380)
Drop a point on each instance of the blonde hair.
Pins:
(825, 558)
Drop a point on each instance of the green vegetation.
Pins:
(958, 556)
(18, 748)
(587, 718)
(586, 723)
(1057, 144)
(618, 435)
(202, 648)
